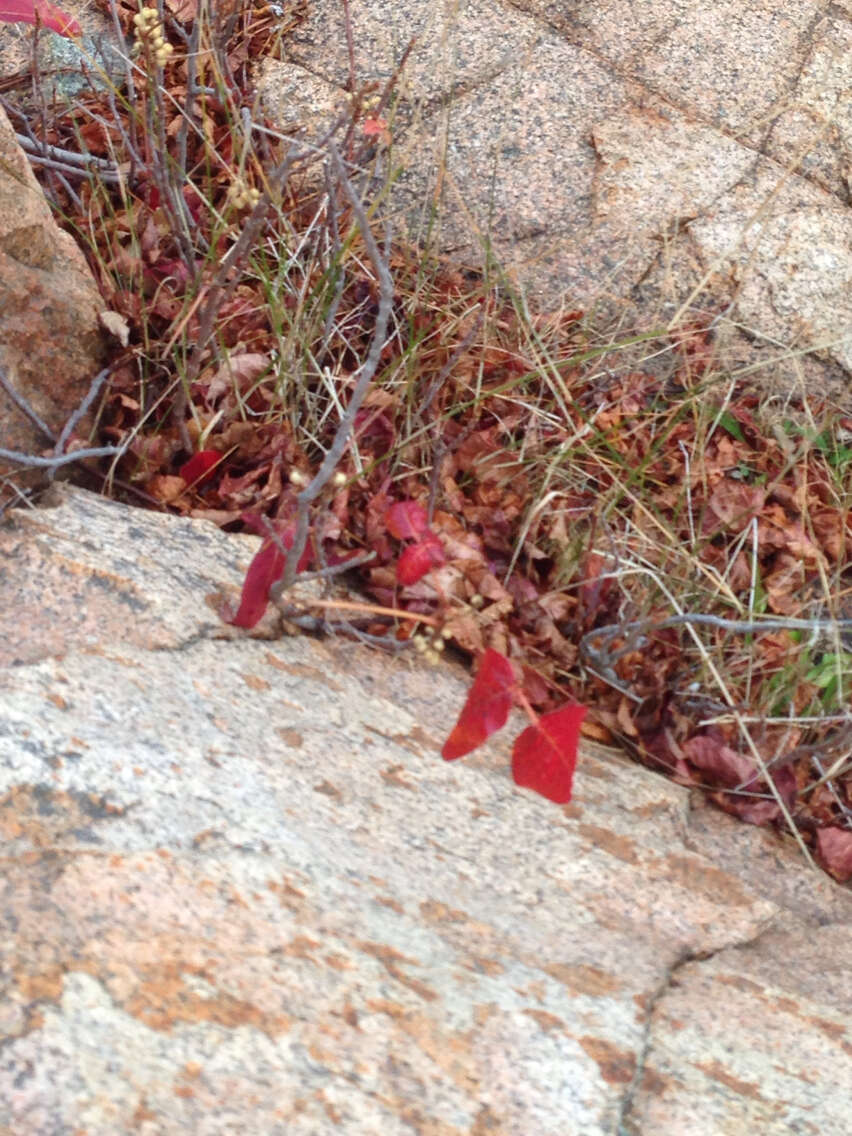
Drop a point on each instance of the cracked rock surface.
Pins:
(241, 892)
(628, 157)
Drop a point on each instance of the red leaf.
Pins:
(266, 567)
(30, 11)
(834, 846)
(406, 520)
(487, 707)
(545, 755)
(200, 467)
(418, 559)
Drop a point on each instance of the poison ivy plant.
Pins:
(544, 756)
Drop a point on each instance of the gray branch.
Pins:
(344, 430)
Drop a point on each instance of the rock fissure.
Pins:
(623, 1125)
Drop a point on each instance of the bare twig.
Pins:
(374, 609)
(368, 369)
(74, 420)
(350, 44)
(59, 457)
(25, 408)
(338, 569)
(56, 460)
(86, 162)
(603, 660)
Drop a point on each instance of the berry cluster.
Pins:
(150, 31)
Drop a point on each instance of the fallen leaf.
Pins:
(238, 369)
(200, 467)
(165, 487)
(734, 504)
(722, 763)
(834, 848)
(418, 559)
(406, 520)
(184, 10)
(115, 324)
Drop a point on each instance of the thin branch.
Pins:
(350, 44)
(18, 458)
(66, 157)
(636, 632)
(92, 393)
(25, 408)
(338, 569)
(371, 609)
(344, 430)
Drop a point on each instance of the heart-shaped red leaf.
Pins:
(418, 559)
(486, 708)
(406, 520)
(545, 755)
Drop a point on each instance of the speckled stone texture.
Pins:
(241, 892)
(50, 343)
(638, 159)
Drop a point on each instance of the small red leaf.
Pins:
(418, 559)
(266, 567)
(544, 755)
(200, 466)
(487, 707)
(29, 11)
(406, 520)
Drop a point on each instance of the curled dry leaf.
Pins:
(115, 324)
(238, 369)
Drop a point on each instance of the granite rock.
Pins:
(243, 893)
(644, 161)
(50, 341)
